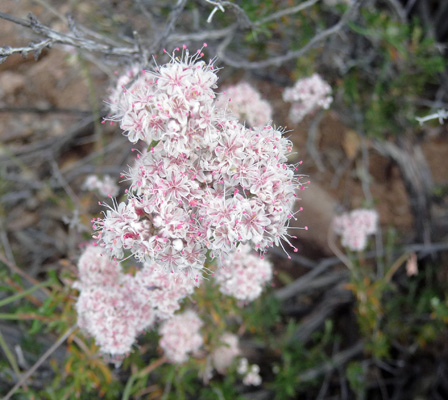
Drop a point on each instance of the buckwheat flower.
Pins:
(107, 310)
(245, 102)
(253, 378)
(354, 227)
(223, 356)
(307, 95)
(116, 101)
(110, 315)
(180, 336)
(170, 104)
(95, 268)
(206, 183)
(243, 366)
(164, 291)
(243, 275)
(106, 186)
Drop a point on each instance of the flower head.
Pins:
(243, 275)
(206, 182)
(106, 186)
(354, 227)
(223, 356)
(180, 336)
(245, 102)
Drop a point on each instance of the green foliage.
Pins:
(386, 88)
(356, 376)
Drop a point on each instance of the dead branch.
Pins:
(290, 55)
(51, 37)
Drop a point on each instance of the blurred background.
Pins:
(373, 329)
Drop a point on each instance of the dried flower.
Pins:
(411, 265)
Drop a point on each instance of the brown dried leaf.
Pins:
(351, 143)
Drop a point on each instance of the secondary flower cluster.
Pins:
(354, 227)
(245, 102)
(223, 356)
(180, 336)
(307, 95)
(251, 373)
(106, 186)
(243, 275)
(206, 183)
(115, 307)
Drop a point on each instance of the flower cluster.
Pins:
(251, 373)
(115, 307)
(245, 102)
(116, 101)
(354, 227)
(206, 182)
(180, 336)
(163, 291)
(106, 186)
(307, 95)
(223, 356)
(243, 275)
(106, 309)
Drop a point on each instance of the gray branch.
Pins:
(51, 37)
(290, 55)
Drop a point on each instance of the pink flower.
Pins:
(116, 99)
(106, 186)
(111, 315)
(245, 102)
(307, 95)
(354, 228)
(223, 356)
(180, 336)
(411, 265)
(243, 275)
(96, 269)
(205, 183)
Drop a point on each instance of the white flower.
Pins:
(354, 228)
(207, 182)
(245, 102)
(223, 356)
(307, 95)
(180, 336)
(106, 187)
(243, 275)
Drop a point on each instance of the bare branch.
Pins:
(242, 18)
(51, 36)
(204, 35)
(35, 48)
(174, 16)
(287, 11)
(290, 55)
